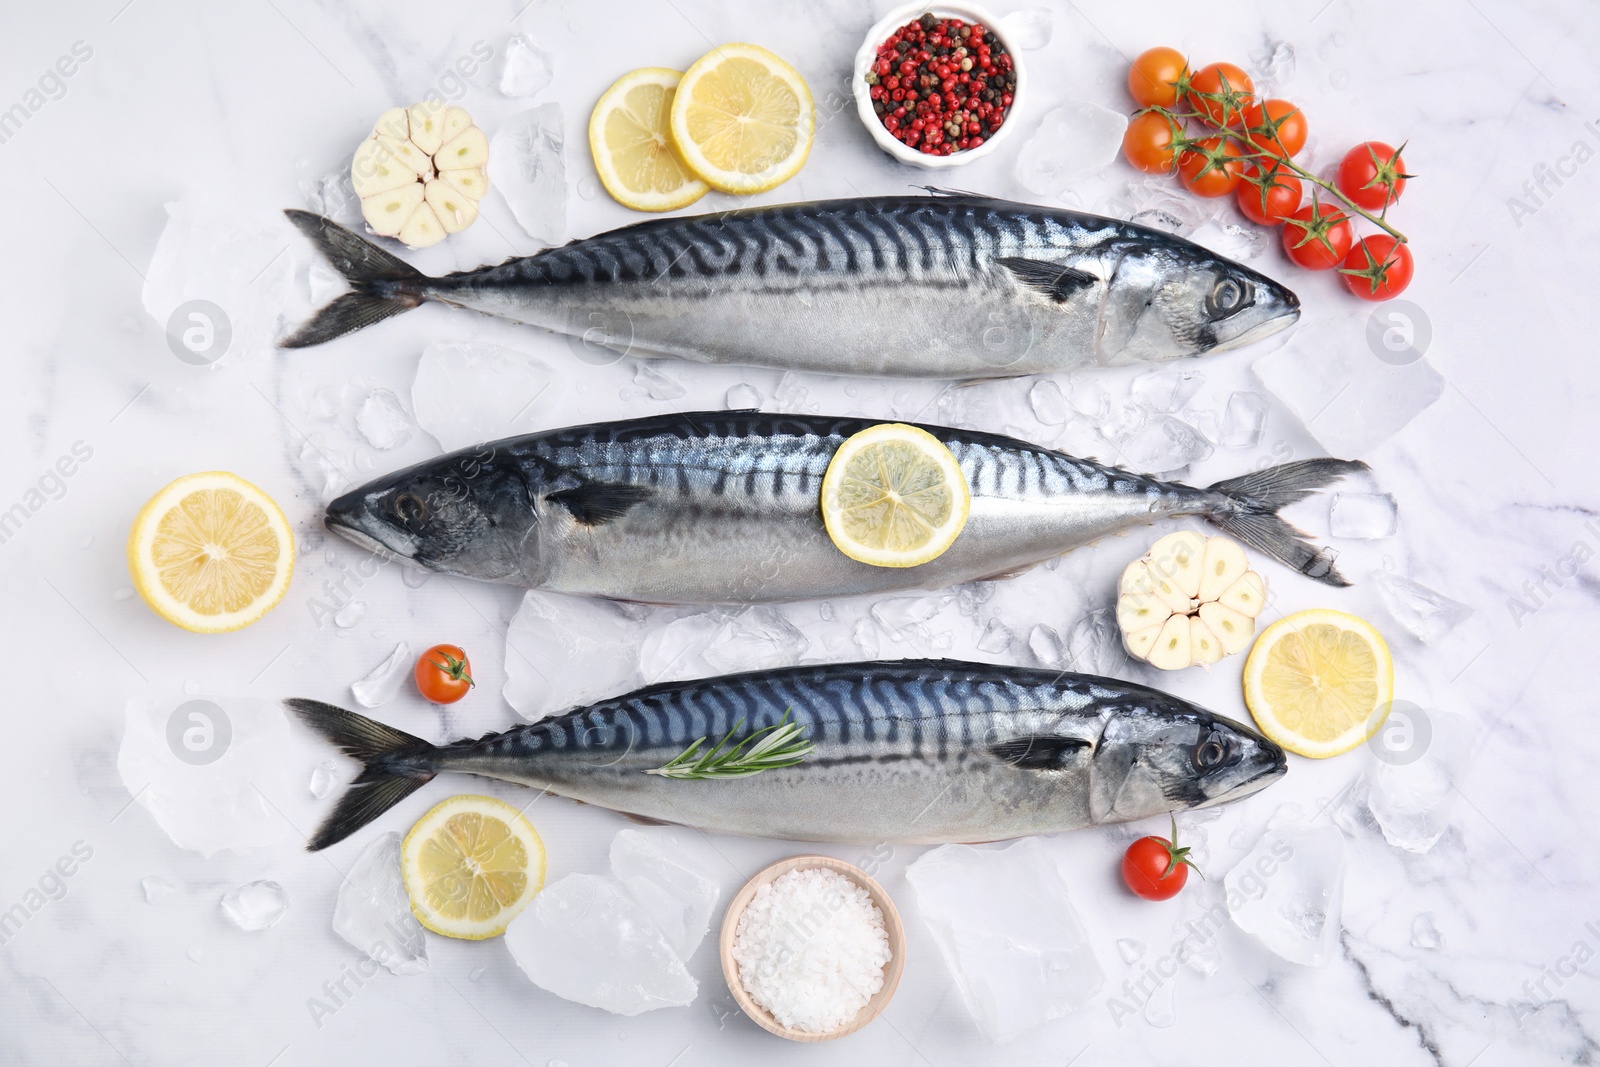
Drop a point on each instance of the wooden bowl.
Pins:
(891, 926)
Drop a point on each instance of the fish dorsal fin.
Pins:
(597, 503)
(1055, 280)
(1040, 752)
(939, 190)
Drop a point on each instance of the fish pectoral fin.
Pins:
(598, 503)
(1055, 280)
(1040, 752)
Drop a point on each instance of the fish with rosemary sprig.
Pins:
(723, 507)
(946, 286)
(914, 751)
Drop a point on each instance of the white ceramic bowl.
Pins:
(869, 52)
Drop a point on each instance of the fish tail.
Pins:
(1247, 508)
(381, 284)
(394, 765)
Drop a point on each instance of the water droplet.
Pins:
(588, 188)
(156, 889)
(191, 686)
(475, 974)
(414, 577)
(122, 594)
(350, 614)
(1130, 950)
(194, 955)
(322, 779)
(1339, 79)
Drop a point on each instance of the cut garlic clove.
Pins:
(392, 123)
(405, 154)
(1232, 629)
(422, 229)
(1136, 578)
(469, 183)
(1171, 649)
(1220, 566)
(1203, 644)
(1247, 596)
(456, 122)
(1139, 642)
(1177, 558)
(427, 125)
(388, 212)
(375, 170)
(470, 148)
(1137, 611)
(1165, 588)
(455, 212)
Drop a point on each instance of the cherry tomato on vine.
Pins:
(1155, 868)
(1148, 142)
(1212, 167)
(1223, 91)
(1155, 75)
(1317, 236)
(1377, 268)
(443, 674)
(1372, 175)
(1276, 126)
(1268, 197)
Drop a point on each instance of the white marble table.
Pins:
(1495, 483)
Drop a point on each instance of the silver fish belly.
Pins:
(915, 751)
(723, 507)
(954, 286)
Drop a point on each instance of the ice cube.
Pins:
(997, 637)
(322, 779)
(742, 398)
(1049, 403)
(1288, 892)
(526, 68)
(350, 614)
(656, 382)
(678, 895)
(1094, 644)
(584, 938)
(1166, 391)
(332, 196)
(255, 905)
(1131, 950)
(1361, 516)
(677, 650)
(1243, 420)
(383, 421)
(373, 911)
(905, 617)
(1028, 29)
(219, 280)
(1238, 243)
(756, 639)
(465, 394)
(1047, 647)
(566, 652)
(1425, 933)
(1007, 930)
(527, 168)
(1411, 797)
(1158, 1008)
(1162, 445)
(383, 682)
(1071, 142)
(1348, 398)
(1427, 613)
(156, 889)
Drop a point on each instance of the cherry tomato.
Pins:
(1212, 167)
(1155, 75)
(1223, 92)
(1372, 175)
(1148, 142)
(1155, 868)
(1317, 236)
(1276, 126)
(1267, 198)
(443, 674)
(1377, 268)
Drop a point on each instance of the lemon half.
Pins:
(743, 119)
(894, 496)
(630, 136)
(211, 552)
(1319, 682)
(470, 865)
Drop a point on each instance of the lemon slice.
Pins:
(211, 552)
(470, 866)
(894, 496)
(630, 136)
(1319, 682)
(743, 119)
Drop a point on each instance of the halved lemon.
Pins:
(743, 119)
(1319, 682)
(630, 136)
(211, 552)
(470, 866)
(894, 496)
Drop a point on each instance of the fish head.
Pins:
(466, 513)
(1169, 299)
(1157, 754)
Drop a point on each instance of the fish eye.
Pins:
(1228, 296)
(1211, 753)
(412, 510)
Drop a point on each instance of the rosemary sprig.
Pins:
(778, 745)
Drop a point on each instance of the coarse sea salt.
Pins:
(811, 949)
